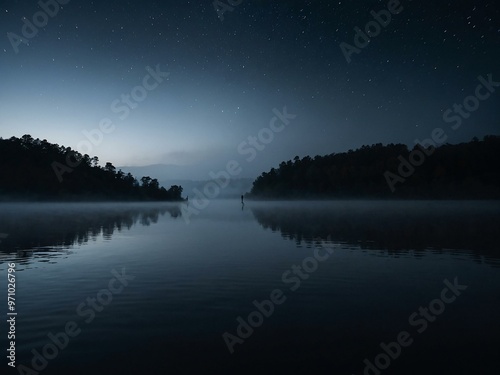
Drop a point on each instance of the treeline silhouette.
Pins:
(35, 169)
(463, 171)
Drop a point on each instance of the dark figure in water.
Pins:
(242, 202)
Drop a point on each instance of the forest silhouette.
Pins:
(462, 171)
(34, 169)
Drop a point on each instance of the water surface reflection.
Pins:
(51, 227)
(392, 226)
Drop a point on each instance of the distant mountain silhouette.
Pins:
(162, 172)
(34, 169)
(233, 190)
(463, 171)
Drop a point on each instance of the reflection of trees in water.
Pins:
(395, 229)
(44, 227)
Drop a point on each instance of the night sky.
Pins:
(225, 77)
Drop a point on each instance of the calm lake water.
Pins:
(148, 292)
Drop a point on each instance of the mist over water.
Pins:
(190, 282)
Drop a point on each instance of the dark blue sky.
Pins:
(226, 77)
